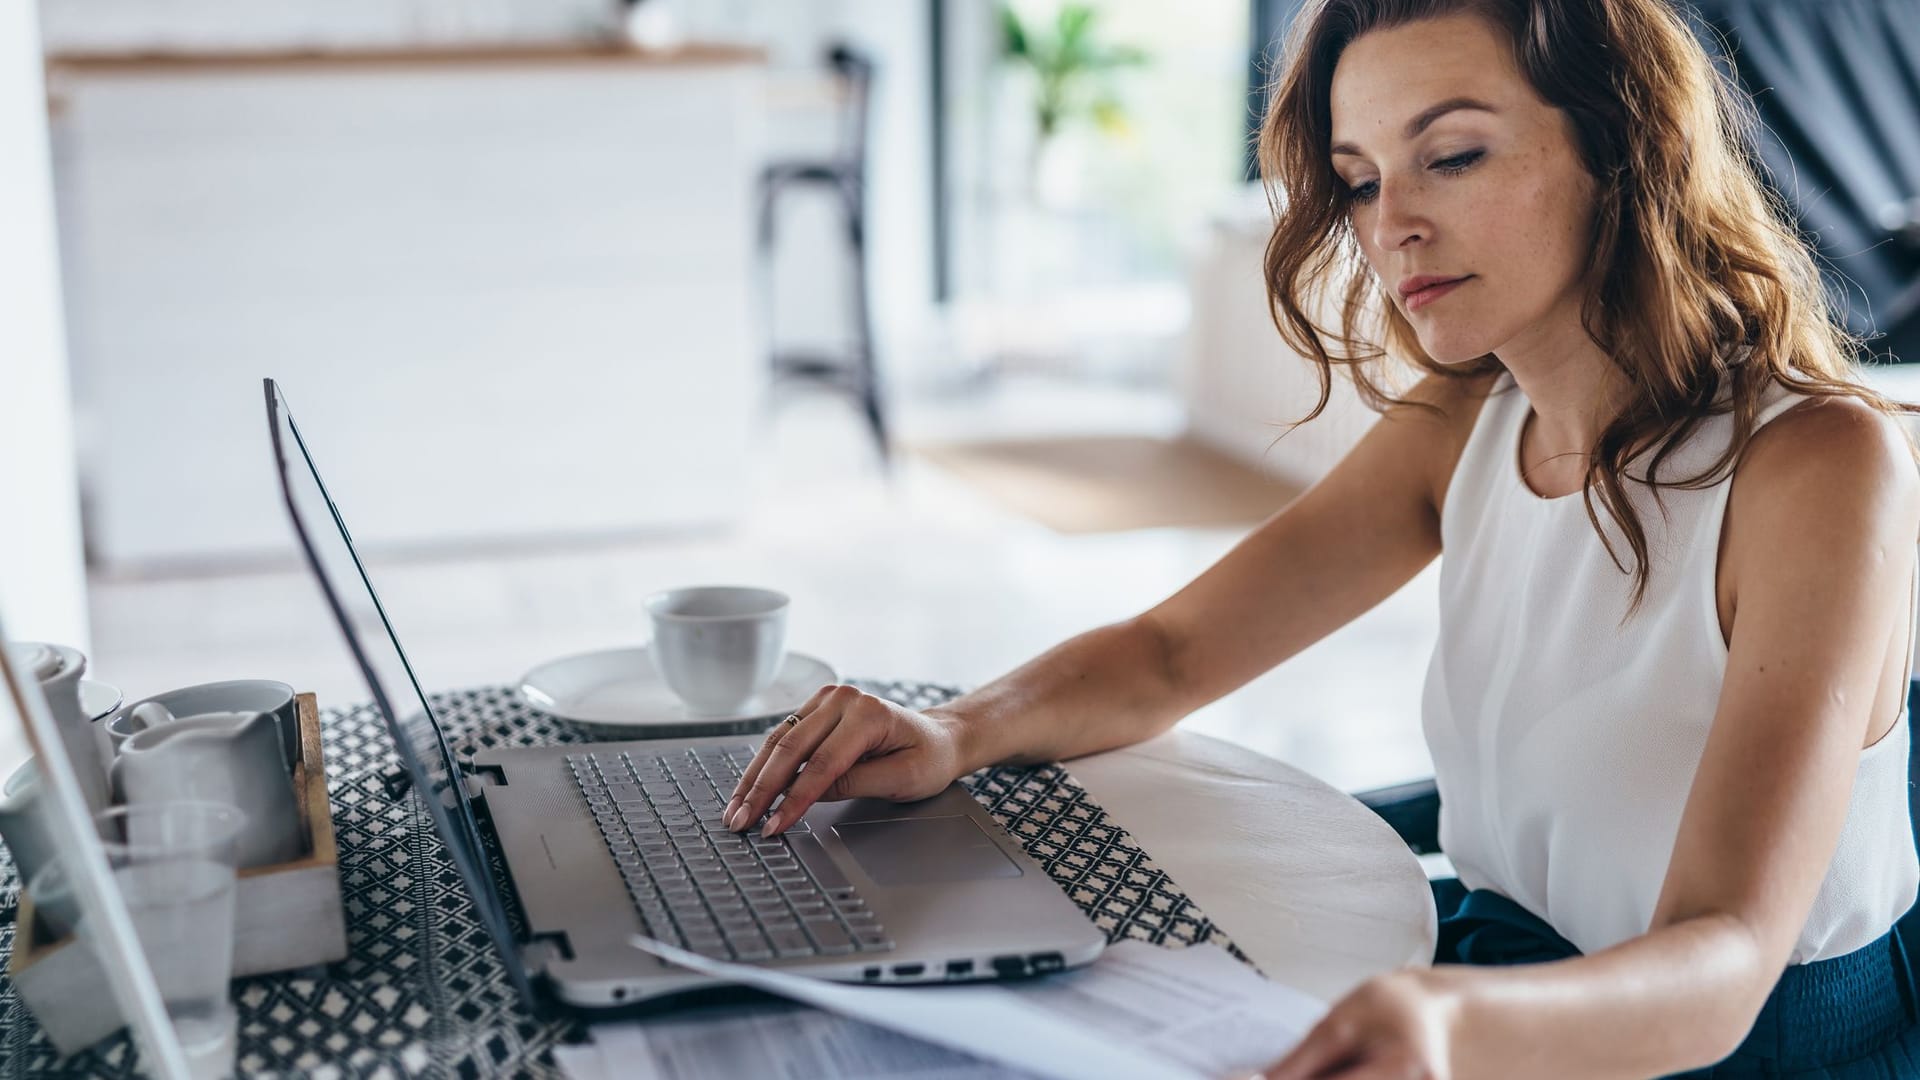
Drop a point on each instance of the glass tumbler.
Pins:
(175, 866)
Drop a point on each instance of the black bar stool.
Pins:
(844, 176)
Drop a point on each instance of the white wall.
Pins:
(42, 581)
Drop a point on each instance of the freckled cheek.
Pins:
(1540, 238)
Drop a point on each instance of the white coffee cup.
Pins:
(718, 645)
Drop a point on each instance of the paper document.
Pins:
(779, 1039)
(1139, 1011)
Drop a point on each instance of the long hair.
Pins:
(1703, 292)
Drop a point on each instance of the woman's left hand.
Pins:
(1398, 1026)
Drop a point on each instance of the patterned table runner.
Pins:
(422, 991)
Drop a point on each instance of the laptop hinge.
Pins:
(543, 950)
(397, 782)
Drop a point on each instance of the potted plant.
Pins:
(1072, 73)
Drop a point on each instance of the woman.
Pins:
(1667, 708)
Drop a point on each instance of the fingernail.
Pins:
(733, 818)
(773, 825)
(732, 805)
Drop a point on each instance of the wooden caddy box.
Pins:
(288, 915)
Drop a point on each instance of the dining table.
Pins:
(1180, 840)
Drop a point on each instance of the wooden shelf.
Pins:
(119, 63)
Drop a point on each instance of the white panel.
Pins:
(42, 583)
(503, 300)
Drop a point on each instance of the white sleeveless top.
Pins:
(1565, 740)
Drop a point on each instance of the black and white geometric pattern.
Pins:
(422, 992)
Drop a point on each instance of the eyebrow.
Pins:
(1423, 121)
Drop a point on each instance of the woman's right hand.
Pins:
(845, 744)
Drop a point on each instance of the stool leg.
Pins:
(763, 265)
(866, 371)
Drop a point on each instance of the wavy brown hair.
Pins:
(1702, 290)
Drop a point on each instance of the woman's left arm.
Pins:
(1822, 525)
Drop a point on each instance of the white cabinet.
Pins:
(1242, 385)
(506, 296)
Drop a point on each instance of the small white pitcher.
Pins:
(58, 669)
(234, 758)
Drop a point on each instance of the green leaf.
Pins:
(1012, 33)
(1075, 25)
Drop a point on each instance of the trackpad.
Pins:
(924, 851)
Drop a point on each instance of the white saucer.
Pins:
(619, 692)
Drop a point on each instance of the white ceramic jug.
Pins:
(231, 757)
(58, 669)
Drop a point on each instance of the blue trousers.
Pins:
(1853, 1017)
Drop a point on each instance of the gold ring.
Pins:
(792, 720)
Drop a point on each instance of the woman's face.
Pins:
(1458, 170)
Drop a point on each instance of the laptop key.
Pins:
(789, 943)
(753, 951)
(832, 940)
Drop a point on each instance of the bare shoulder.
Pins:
(1828, 464)
(1837, 443)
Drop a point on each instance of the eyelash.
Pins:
(1452, 166)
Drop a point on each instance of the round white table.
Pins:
(1314, 887)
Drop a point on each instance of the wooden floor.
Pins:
(913, 576)
(1109, 483)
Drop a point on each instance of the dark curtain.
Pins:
(1270, 19)
(1836, 84)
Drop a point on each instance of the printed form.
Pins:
(1139, 1011)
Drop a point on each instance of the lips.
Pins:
(1409, 286)
(1418, 292)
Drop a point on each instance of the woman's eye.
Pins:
(1459, 163)
(1452, 166)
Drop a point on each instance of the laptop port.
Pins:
(959, 969)
(1008, 967)
(1048, 961)
(872, 974)
(907, 971)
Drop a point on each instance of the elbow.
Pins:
(1161, 655)
(1748, 979)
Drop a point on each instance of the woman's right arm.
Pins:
(1344, 545)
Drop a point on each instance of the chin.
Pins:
(1449, 350)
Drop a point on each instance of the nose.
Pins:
(1397, 222)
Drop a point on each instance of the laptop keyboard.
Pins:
(704, 888)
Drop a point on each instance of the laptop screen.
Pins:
(376, 648)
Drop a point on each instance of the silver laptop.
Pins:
(605, 841)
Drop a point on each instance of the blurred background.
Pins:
(943, 316)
